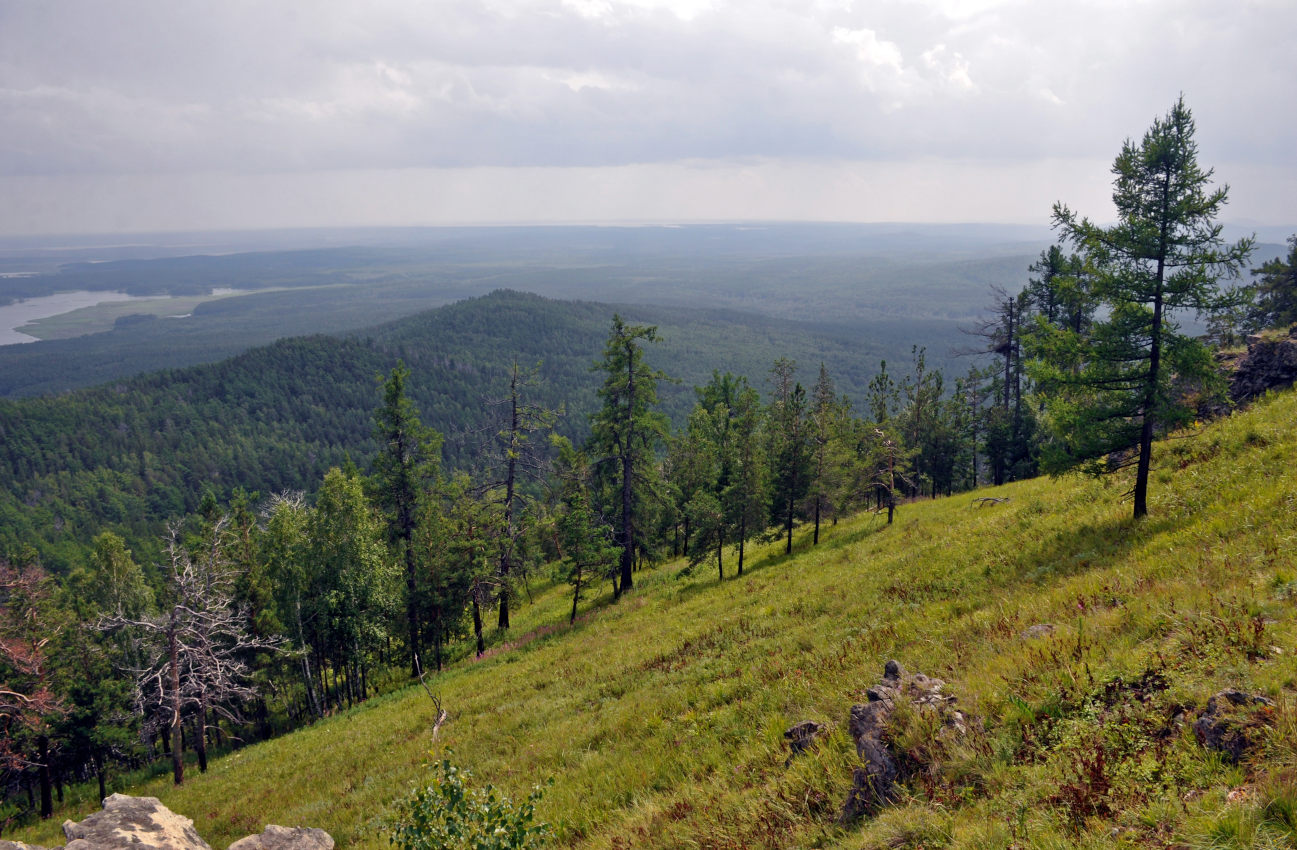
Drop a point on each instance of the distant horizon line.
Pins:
(146, 238)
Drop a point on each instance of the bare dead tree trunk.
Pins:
(177, 759)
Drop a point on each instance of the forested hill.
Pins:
(128, 455)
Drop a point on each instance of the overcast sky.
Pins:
(137, 115)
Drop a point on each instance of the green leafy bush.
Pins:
(447, 814)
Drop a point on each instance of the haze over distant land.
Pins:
(146, 115)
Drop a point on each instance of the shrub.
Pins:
(447, 814)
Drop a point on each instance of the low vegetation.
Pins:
(660, 719)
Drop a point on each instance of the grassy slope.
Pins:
(660, 718)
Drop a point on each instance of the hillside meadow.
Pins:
(660, 718)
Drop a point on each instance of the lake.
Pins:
(19, 313)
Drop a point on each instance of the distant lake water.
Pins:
(19, 313)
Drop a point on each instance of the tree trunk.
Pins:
(1154, 364)
(576, 594)
(477, 623)
(788, 527)
(200, 736)
(412, 601)
(177, 758)
(43, 773)
(101, 775)
(627, 485)
(506, 553)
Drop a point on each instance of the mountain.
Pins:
(130, 454)
(1121, 683)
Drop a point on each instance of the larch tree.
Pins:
(405, 470)
(1276, 290)
(517, 459)
(1164, 255)
(626, 432)
(789, 450)
(28, 701)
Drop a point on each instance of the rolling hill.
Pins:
(129, 454)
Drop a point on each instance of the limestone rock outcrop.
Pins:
(285, 838)
(143, 823)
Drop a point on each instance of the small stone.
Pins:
(800, 736)
(1232, 722)
(893, 670)
(1040, 630)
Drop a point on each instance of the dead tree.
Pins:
(197, 649)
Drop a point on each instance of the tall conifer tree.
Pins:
(1164, 255)
(627, 430)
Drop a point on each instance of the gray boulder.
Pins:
(143, 823)
(286, 838)
(802, 737)
(133, 823)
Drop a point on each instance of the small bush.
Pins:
(446, 814)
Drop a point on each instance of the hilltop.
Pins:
(1064, 629)
(131, 454)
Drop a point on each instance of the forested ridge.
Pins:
(130, 454)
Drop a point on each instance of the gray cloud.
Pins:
(147, 87)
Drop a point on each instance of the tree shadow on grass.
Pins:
(1082, 548)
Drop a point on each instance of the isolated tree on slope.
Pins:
(1164, 254)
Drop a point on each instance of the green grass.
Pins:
(660, 718)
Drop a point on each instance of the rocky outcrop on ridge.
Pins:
(1270, 363)
(143, 823)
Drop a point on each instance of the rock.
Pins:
(1040, 630)
(133, 823)
(285, 838)
(143, 823)
(1232, 723)
(1268, 364)
(874, 783)
(801, 737)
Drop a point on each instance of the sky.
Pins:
(172, 115)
